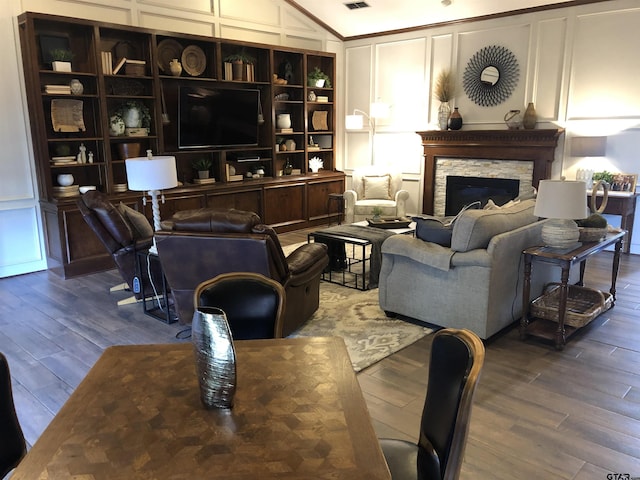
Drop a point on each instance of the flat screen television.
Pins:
(217, 117)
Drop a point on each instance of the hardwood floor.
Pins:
(538, 414)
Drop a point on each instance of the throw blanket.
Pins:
(375, 235)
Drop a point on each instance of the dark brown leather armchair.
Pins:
(120, 236)
(197, 245)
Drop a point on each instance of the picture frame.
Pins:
(52, 42)
(624, 182)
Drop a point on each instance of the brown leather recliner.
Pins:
(197, 245)
(120, 237)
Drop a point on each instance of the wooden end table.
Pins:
(566, 259)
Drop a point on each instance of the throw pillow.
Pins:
(377, 187)
(433, 230)
(139, 224)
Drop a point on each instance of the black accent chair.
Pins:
(12, 443)
(457, 357)
(253, 304)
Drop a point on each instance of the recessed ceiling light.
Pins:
(355, 5)
(446, 3)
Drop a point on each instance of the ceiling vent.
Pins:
(356, 5)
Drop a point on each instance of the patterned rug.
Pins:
(356, 316)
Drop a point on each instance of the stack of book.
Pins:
(107, 63)
(228, 71)
(57, 89)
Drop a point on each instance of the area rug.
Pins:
(356, 316)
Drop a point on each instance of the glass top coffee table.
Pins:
(355, 253)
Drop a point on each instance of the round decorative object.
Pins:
(194, 60)
(455, 120)
(290, 144)
(76, 87)
(116, 126)
(65, 179)
(513, 119)
(176, 67)
(168, 49)
(491, 75)
(283, 120)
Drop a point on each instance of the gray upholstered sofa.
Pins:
(476, 283)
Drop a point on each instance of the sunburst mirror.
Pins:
(491, 75)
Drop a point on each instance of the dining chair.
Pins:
(12, 443)
(457, 357)
(253, 303)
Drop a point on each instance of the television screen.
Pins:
(217, 117)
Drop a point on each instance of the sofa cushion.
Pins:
(475, 228)
(212, 220)
(140, 226)
(377, 186)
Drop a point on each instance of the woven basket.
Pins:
(592, 234)
(583, 304)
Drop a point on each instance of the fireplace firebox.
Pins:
(462, 191)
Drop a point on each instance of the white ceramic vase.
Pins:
(283, 120)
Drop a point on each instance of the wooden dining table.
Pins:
(298, 413)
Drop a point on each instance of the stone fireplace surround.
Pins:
(487, 150)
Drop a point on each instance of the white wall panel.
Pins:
(548, 71)
(200, 6)
(235, 32)
(605, 72)
(172, 23)
(400, 82)
(259, 12)
(23, 254)
(114, 12)
(303, 42)
(358, 73)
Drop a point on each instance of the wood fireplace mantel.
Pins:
(537, 146)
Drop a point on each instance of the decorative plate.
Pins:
(193, 60)
(168, 49)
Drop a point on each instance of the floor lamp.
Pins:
(152, 174)
(356, 121)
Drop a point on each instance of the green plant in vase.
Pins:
(131, 117)
(202, 165)
(376, 211)
(61, 59)
(317, 78)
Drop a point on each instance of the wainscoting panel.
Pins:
(22, 253)
(604, 79)
(547, 85)
(400, 74)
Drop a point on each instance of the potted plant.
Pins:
(377, 211)
(132, 118)
(61, 59)
(317, 78)
(238, 60)
(202, 165)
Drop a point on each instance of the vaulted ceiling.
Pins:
(371, 17)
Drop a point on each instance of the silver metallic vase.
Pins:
(215, 357)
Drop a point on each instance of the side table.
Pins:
(622, 204)
(158, 305)
(338, 199)
(566, 259)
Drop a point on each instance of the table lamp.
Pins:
(562, 202)
(152, 174)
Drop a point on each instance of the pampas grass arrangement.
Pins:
(445, 86)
